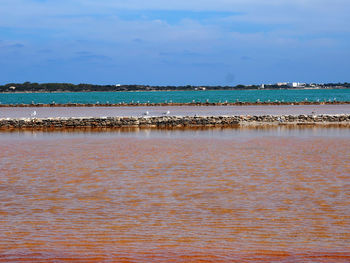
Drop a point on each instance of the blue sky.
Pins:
(160, 42)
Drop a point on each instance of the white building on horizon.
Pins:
(296, 84)
(282, 83)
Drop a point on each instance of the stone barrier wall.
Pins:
(239, 103)
(174, 121)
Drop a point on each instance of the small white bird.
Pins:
(146, 113)
(166, 113)
(33, 114)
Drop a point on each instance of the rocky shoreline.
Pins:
(174, 121)
(238, 103)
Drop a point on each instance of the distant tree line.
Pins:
(61, 87)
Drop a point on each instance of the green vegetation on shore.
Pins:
(68, 87)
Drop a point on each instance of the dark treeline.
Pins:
(68, 87)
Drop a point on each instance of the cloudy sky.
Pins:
(174, 42)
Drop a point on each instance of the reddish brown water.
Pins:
(184, 199)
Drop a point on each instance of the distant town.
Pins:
(68, 87)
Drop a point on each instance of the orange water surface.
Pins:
(183, 199)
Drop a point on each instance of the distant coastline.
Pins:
(169, 90)
(28, 87)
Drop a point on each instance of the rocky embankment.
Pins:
(135, 104)
(174, 121)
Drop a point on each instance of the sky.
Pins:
(174, 42)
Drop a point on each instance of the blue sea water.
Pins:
(289, 95)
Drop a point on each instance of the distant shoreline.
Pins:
(170, 90)
(28, 87)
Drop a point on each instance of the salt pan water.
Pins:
(232, 195)
(289, 95)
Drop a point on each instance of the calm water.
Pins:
(177, 96)
(219, 195)
(44, 112)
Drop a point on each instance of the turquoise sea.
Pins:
(177, 96)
